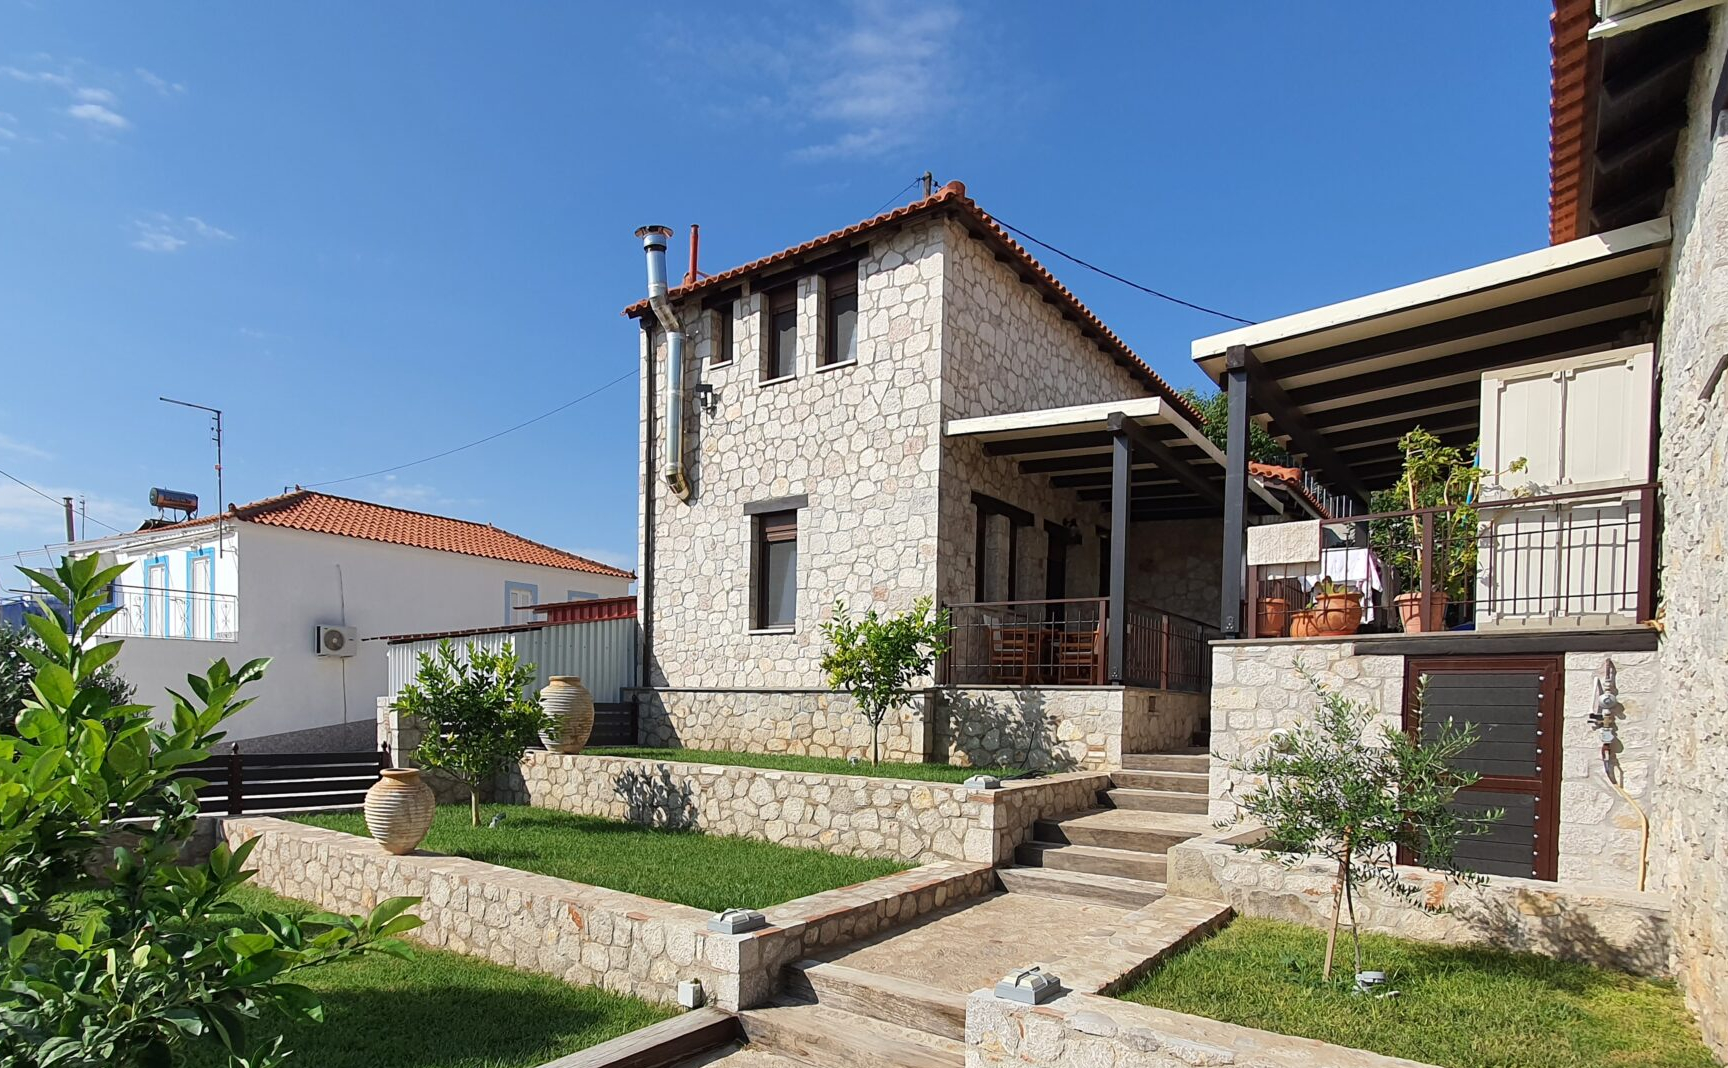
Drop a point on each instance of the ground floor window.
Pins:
(775, 569)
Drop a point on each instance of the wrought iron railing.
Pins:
(152, 612)
(1066, 643)
(1578, 559)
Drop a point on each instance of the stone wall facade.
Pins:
(858, 815)
(1256, 688)
(1085, 1029)
(1691, 811)
(1570, 920)
(1047, 727)
(588, 934)
(818, 723)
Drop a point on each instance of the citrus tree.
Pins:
(125, 969)
(876, 658)
(476, 711)
(1336, 788)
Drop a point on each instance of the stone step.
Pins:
(826, 1037)
(1153, 800)
(1078, 886)
(1118, 863)
(1194, 760)
(882, 997)
(1178, 782)
(1144, 832)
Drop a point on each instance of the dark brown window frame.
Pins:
(984, 506)
(771, 528)
(838, 285)
(775, 303)
(725, 339)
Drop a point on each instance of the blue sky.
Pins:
(371, 231)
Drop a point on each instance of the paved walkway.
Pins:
(969, 946)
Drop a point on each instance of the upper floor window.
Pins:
(723, 344)
(780, 351)
(841, 333)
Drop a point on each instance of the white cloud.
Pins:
(95, 96)
(890, 72)
(39, 77)
(164, 233)
(98, 115)
(28, 521)
(22, 448)
(417, 496)
(159, 83)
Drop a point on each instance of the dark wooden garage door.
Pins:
(1515, 704)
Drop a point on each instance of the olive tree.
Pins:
(1336, 787)
(476, 711)
(126, 969)
(876, 658)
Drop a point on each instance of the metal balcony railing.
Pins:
(1066, 643)
(1580, 559)
(151, 612)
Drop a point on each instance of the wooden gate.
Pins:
(1514, 703)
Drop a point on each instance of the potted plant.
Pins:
(1446, 480)
(1337, 608)
(1305, 623)
(1271, 616)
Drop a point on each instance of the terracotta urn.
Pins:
(1271, 615)
(399, 810)
(1410, 612)
(1305, 623)
(571, 706)
(1338, 614)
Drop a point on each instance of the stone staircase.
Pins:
(1115, 854)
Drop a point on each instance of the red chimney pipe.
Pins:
(695, 250)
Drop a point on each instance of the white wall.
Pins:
(291, 581)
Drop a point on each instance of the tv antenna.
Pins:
(216, 436)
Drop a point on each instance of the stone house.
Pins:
(1573, 611)
(914, 407)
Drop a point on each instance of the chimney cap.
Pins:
(660, 231)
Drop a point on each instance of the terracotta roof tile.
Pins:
(952, 198)
(322, 513)
(1290, 478)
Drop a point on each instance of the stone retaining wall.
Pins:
(1598, 925)
(1256, 688)
(588, 934)
(852, 814)
(797, 722)
(1061, 728)
(1085, 1029)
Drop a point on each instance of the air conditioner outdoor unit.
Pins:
(338, 641)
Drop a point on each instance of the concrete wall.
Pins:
(1062, 729)
(853, 814)
(290, 581)
(1691, 804)
(1256, 688)
(1572, 920)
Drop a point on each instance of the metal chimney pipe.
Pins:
(654, 239)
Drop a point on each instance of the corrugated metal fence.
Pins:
(602, 652)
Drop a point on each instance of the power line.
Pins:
(896, 196)
(1125, 281)
(478, 441)
(57, 503)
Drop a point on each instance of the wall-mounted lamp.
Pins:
(1072, 527)
(706, 399)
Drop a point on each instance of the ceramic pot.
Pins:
(1271, 615)
(399, 810)
(568, 702)
(1305, 623)
(1410, 612)
(1338, 613)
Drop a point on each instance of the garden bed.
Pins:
(887, 769)
(709, 872)
(1459, 1006)
(445, 1010)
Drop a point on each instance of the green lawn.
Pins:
(706, 871)
(1459, 1006)
(888, 769)
(444, 1010)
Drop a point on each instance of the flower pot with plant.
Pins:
(1337, 608)
(1271, 616)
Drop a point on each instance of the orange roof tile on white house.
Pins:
(323, 513)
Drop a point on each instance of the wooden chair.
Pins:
(1013, 652)
(1079, 655)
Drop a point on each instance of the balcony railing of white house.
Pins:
(151, 612)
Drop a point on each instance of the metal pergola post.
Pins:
(1235, 385)
(1121, 503)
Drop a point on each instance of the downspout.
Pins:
(654, 244)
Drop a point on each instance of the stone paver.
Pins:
(966, 948)
(736, 1056)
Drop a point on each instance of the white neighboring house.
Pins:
(262, 579)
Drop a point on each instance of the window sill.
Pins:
(775, 381)
(773, 630)
(836, 366)
(719, 365)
